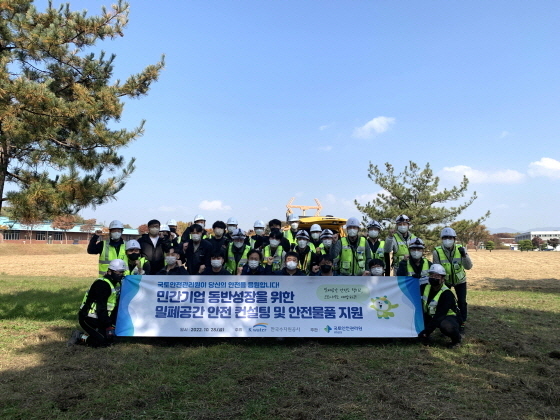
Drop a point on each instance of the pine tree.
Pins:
(58, 106)
(416, 193)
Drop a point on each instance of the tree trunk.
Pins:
(3, 166)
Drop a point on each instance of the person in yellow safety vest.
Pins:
(440, 308)
(290, 234)
(237, 251)
(108, 249)
(455, 259)
(315, 233)
(98, 312)
(415, 265)
(258, 240)
(376, 268)
(173, 235)
(353, 252)
(232, 224)
(397, 243)
(376, 246)
(326, 248)
(306, 253)
(135, 263)
(274, 249)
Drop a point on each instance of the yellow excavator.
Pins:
(326, 222)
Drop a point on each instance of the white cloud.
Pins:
(376, 126)
(545, 167)
(325, 148)
(213, 205)
(324, 127)
(504, 134)
(507, 176)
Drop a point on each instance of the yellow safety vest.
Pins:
(108, 254)
(402, 245)
(290, 236)
(425, 267)
(431, 307)
(379, 252)
(127, 272)
(278, 257)
(305, 265)
(230, 263)
(455, 272)
(111, 301)
(352, 263)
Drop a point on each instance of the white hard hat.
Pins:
(352, 222)
(315, 228)
(232, 221)
(293, 218)
(402, 218)
(327, 233)
(374, 224)
(259, 224)
(164, 228)
(416, 243)
(199, 217)
(132, 244)
(448, 232)
(302, 234)
(172, 222)
(238, 233)
(116, 224)
(117, 265)
(438, 269)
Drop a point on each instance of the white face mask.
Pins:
(201, 223)
(448, 243)
(327, 243)
(373, 233)
(302, 243)
(216, 263)
(231, 228)
(416, 254)
(291, 265)
(377, 271)
(218, 232)
(274, 243)
(253, 264)
(294, 225)
(402, 229)
(352, 232)
(315, 235)
(195, 237)
(115, 236)
(170, 260)
(238, 244)
(259, 232)
(154, 231)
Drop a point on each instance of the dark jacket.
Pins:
(402, 269)
(219, 244)
(259, 271)
(99, 293)
(175, 271)
(284, 272)
(95, 247)
(209, 272)
(194, 259)
(155, 255)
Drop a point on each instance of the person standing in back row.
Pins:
(455, 260)
(108, 250)
(154, 247)
(397, 243)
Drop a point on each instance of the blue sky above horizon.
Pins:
(263, 101)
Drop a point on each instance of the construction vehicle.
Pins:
(326, 222)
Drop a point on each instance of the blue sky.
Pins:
(261, 101)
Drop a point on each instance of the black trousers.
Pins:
(450, 327)
(461, 293)
(97, 335)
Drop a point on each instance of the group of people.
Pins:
(228, 250)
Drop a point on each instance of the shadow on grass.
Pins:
(42, 305)
(503, 284)
(504, 370)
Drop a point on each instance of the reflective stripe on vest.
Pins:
(352, 263)
(455, 272)
(230, 263)
(425, 267)
(431, 307)
(306, 264)
(135, 270)
(321, 250)
(402, 247)
(108, 254)
(379, 252)
(290, 236)
(278, 257)
(111, 301)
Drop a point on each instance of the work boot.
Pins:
(74, 339)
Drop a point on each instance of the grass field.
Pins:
(508, 367)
